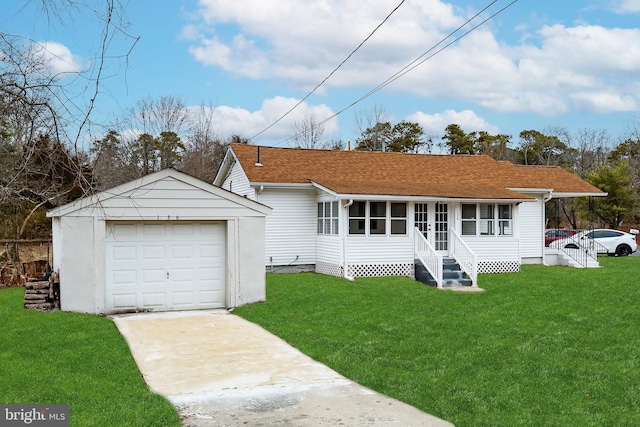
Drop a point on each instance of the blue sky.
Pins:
(537, 65)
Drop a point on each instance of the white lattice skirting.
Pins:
(498, 267)
(329, 269)
(380, 270)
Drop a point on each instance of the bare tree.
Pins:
(46, 108)
(589, 149)
(368, 120)
(204, 150)
(166, 113)
(308, 132)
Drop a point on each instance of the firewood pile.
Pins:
(23, 261)
(9, 275)
(43, 294)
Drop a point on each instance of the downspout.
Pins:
(545, 199)
(259, 192)
(344, 242)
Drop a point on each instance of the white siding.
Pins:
(531, 228)
(76, 263)
(379, 249)
(237, 182)
(166, 199)
(330, 249)
(291, 229)
(249, 264)
(491, 248)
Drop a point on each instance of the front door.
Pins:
(432, 219)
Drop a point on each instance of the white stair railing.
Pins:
(465, 257)
(582, 249)
(431, 259)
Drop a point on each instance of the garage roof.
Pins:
(167, 194)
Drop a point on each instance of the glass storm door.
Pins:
(441, 227)
(432, 219)
(421, 219)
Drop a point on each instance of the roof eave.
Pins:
(531, 190)
(385, 197)
(557, 195)
(294, 185)
(228, 161)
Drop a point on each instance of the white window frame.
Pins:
(505, 225)
(397, 220)
(328, 218)
(487, 222)
(358, 218)
(388, 222)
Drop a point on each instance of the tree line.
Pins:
(40, 172)
(590, 154)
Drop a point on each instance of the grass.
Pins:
(76, 359)
(550, 346)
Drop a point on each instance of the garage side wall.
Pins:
(77, 264)
(251, 232)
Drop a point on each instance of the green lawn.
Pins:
(550, 346)
(75, 359)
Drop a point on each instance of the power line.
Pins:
(332, 72)
(415, 63)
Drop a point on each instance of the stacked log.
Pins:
(42, 295)
(9, 275)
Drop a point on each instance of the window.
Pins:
(357, 217)
(505, 219)
(378, 218)
(398, 218)
(487, 216)
(481, 219)
(328, 217)
(468, 220)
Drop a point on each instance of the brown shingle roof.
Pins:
(397, 174)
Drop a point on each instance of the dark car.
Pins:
(557, 233)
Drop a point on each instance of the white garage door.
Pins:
(164, 266)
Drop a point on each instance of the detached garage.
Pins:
(164, 242)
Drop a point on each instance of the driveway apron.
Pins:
(221, 370)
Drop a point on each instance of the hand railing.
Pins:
(431, 259)
(581, 249)
(465, 257)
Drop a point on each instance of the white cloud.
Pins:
(54, 59)
(552, 71)
(190, 33)
(627, 6)
(240, 57)
(306, 40)
(435, 124)
(605, 102)
(239, 121)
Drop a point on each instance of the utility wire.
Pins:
(413, 64)
(332, 72)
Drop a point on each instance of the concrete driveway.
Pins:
(221, 370)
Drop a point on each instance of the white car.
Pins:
(613, 241)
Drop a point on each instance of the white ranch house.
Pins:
(356, 214)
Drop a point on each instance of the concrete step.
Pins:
(452, 274)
